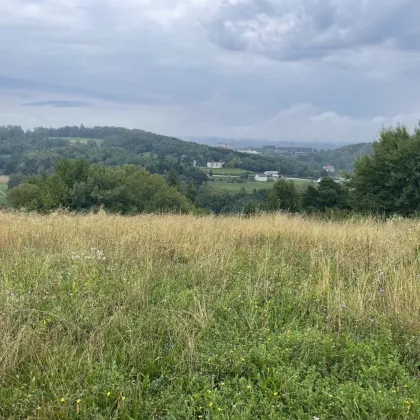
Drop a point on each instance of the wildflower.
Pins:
(343, 305)
(210, 404)
(222, 383)
(219, 409)
(315, 418)
(200, 417)
(62, 400)
(249, 386)
(122, 398)
(79, 401)
(275, 394)
(108, 394)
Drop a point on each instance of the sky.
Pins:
(272, 70)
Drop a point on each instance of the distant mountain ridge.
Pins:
(258, 143)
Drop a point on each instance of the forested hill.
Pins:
(36, 151)
(345, 156)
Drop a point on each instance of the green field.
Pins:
(227, 171)
(183, 317)
(235, 186)
(250, 186)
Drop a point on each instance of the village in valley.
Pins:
(225, 177)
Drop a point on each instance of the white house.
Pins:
(329, 168)
(215, 165)
(261, 177)
(274, 174)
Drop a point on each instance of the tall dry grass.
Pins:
(81, 290)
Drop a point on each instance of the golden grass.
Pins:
(79, 291)
(370, 267)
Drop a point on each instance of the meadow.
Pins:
(3, 188)
(183, 317)
(251, 185)
(227, 171)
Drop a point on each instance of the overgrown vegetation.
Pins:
(79, 186)
(153, 317)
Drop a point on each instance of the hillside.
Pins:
(36, 151)
(208, 318)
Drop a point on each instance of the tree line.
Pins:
(385, 182)
(33, 152)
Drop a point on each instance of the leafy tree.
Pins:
(191, 192)
(123, 189)
(173, 180)
(72, 171)
(331, 194)
(389, 180)
(25, 196)
(15, 180)
(283, 196)
(310, 198)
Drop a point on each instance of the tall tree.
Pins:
(389, 180)
(283, 196)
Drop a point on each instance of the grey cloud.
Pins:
(60, 104)
(158, 65)
(298, 29)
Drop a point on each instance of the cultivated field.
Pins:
(178, 317)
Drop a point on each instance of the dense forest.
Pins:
(36, 151)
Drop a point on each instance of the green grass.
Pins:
(235, 186)
(3, 189)
(249, 186)
(227, 171)
(182, 317)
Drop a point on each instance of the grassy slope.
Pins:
(249, 186)
(235, 186)
(181, 317)
(227, 171)
(3, 187)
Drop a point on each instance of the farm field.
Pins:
(182, 317)
(249, 186)
(227, 171)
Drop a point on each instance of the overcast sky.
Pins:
(301, 70)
